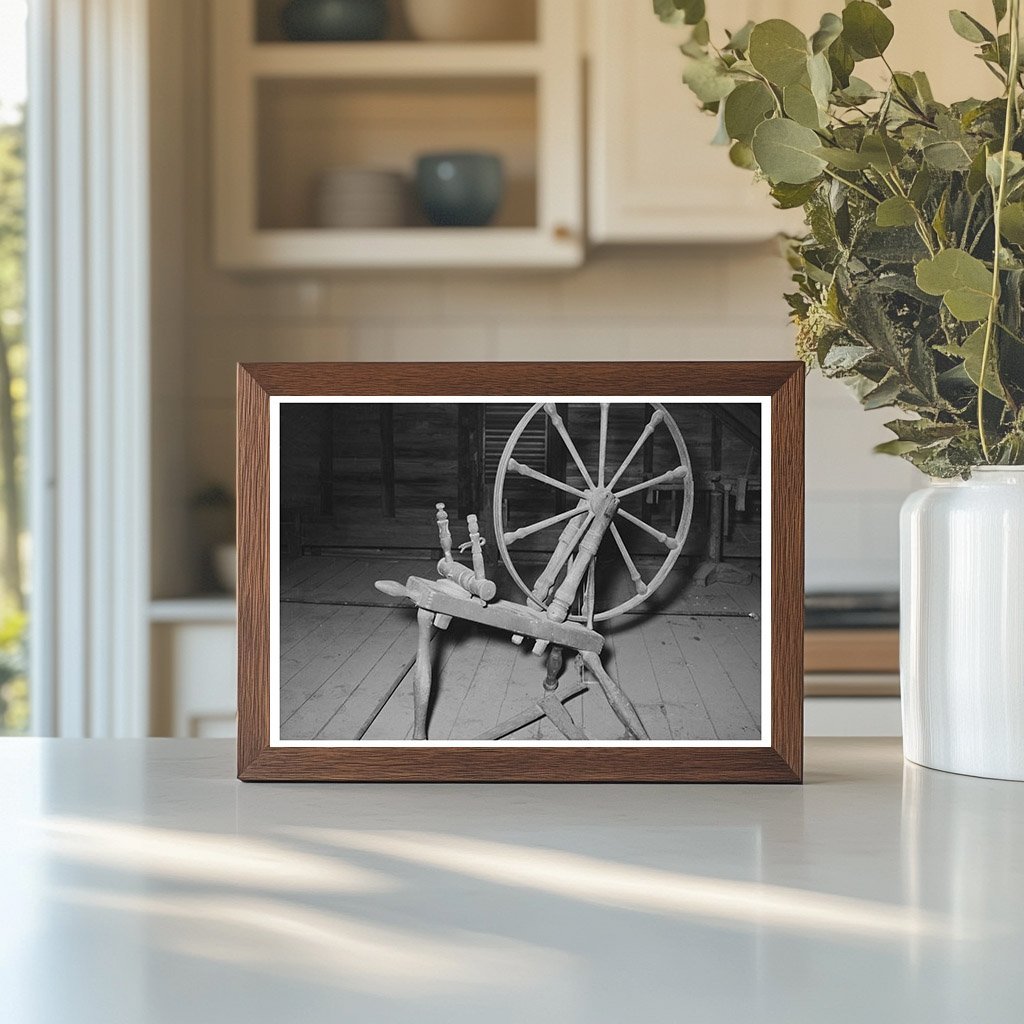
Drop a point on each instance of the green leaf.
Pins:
(741, 155)
(675, 12)
(800, 105)
(708, 80)
(858, 91)
(785, 152)
(745, 108)
(969, 28)
(921, 185)
(896, 212)
(1014, 169)
(923, 431)
(866, 29)
(844, 159)
(971, 352)
(924, 87)
(883, 153)
(841, 60)
(820, 76)
(1012, 225)
(778, 50)
(947, 156)
(830, 29)
(999, 7)
(885, 394)
(895, 447)
(963, 281)
(976, 174)
(939, 220)
(739, 41)
(789, 197)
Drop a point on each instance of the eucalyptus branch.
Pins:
(1000, 199)
(850, 184)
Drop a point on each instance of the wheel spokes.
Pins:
(543, 478)
(529, 531)
(634, 572)
(671, 477)
(602, 451)
(559, 425)
(670, 542)
(652, 424)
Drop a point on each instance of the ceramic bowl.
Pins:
(334, 20)
(460, 189)
(361, 197)
(468, 20)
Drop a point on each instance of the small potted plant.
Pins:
(908, 288)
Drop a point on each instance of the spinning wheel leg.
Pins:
(620, 703)
(555, 661)
(421, 681)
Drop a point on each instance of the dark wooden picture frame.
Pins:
(781, 760)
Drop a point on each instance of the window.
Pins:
(14, 549)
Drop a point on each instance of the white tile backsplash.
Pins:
(715, 303)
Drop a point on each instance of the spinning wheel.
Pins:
(466, 593)
(598, 505)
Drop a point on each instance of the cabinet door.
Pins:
(654, 176)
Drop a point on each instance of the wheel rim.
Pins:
(682, 528)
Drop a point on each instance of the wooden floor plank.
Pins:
(395, 719)
(741, 668)
(748, 632)
(627, 660)
(324, 568)
(452, 686)
(324, 635)
(725, 707)
(377, 684)
(295, 571)
(482, 705)
(322, 705)
(299, 620)
(687, 716)
(352, 625)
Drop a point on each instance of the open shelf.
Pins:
(308, 127)
(518, 17)
(392, 60)
(288, 113)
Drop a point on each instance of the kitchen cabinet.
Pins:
(653, 175)
(286, 113)
(192, 648)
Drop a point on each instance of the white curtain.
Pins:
(88, 320)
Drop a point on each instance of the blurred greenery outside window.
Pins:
(14, 546)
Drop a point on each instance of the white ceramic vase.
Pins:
(962, 624)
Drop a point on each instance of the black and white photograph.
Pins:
(467, 572)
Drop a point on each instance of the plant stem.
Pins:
(993, 309)
(856, 188)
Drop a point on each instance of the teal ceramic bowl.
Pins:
(461, 190)
(334, 21)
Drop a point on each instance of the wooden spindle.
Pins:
(477, 545)
(444, 531)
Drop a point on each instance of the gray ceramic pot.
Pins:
(460, 189)
(334, 20)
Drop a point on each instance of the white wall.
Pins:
(664, 303)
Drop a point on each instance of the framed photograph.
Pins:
(520, 571)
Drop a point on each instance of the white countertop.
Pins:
(143, 885)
